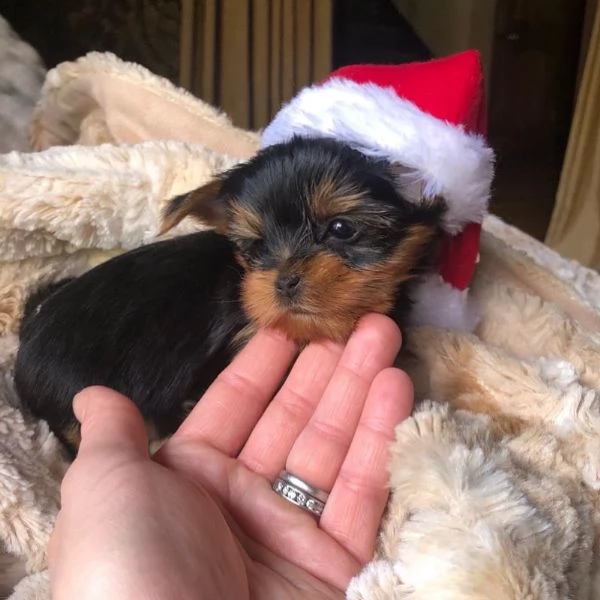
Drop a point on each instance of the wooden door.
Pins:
(531, 97)
(533, 76)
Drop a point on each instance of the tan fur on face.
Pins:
(244, 222)
(334, 294)
(332, 197)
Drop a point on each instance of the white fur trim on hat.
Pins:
(438, 304)
(441, 158)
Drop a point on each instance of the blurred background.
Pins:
(248, 56)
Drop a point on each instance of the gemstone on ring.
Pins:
(303, 485)
(295, 494)
(314, 505)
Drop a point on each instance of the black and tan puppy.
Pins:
(307, 236)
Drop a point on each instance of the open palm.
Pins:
(201, 515)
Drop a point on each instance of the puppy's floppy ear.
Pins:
(407, 181)
(410, 185)
(204, 203)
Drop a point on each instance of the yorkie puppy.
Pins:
(307, 236)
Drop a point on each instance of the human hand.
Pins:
(199, 519)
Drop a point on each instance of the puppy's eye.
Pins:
(341, 229)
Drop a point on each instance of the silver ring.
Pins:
(300, 493)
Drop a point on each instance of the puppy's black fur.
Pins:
(160, 322)
(155, 324)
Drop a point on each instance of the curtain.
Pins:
(574, 229)
(250, 56)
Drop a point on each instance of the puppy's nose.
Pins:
(287, 285)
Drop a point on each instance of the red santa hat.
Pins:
(430, 118)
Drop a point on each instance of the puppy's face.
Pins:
(322, 233)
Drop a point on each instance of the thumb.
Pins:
(109, 421)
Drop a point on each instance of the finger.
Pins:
(288, 531)
(109, 421)
(355, 506)
(228, 411)
(320, 449)
(269, 444)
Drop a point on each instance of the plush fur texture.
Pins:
(308, 237)
(494, 481)
(22, 74)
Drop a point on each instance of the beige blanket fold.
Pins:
(495, 478)
(100, 98)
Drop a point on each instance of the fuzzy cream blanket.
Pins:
(494, 479)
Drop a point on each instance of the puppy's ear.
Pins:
(410, 185)
(204, 203)
(407, 181)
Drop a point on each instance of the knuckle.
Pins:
(294, 403)
(330, 432)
